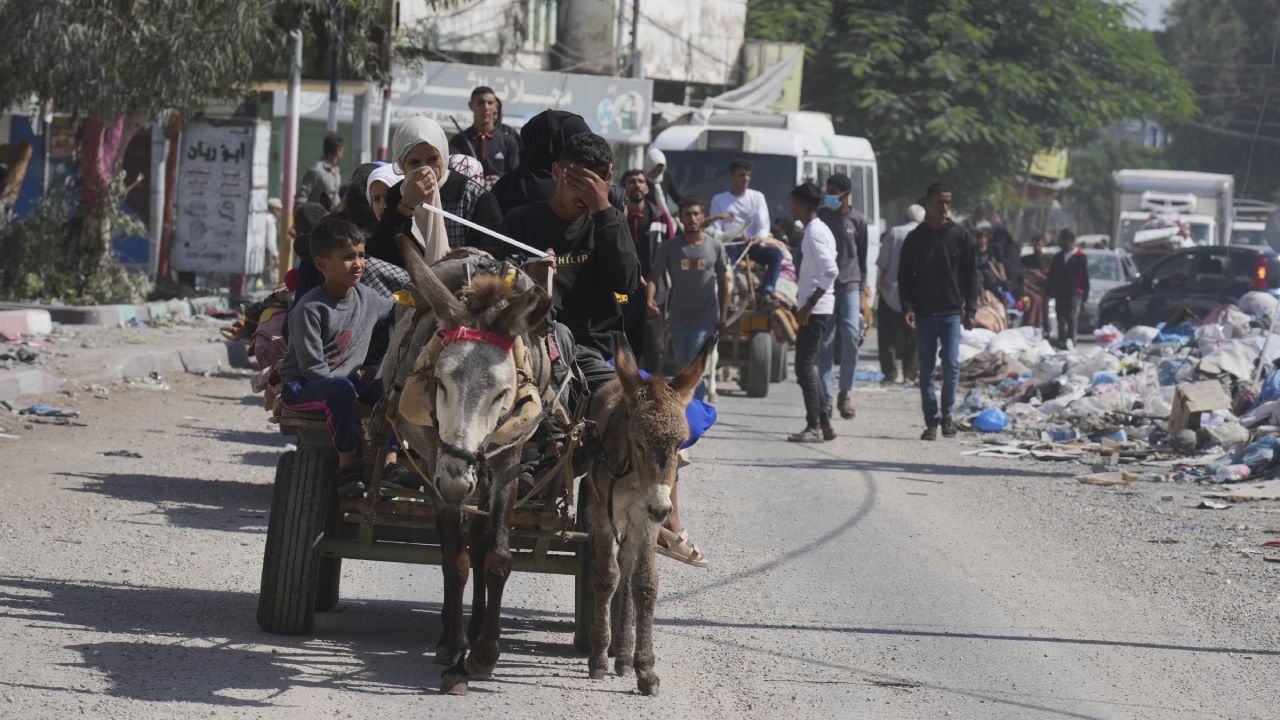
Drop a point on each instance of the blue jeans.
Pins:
(686, 341)
(847, 323)
(934, 334)
(337, 397)
(767, 256)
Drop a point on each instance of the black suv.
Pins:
(1196, 279)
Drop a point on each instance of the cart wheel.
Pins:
(300, 505)
(759, 365)
(583, 595)
(778, 371)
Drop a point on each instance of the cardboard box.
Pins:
(1190, 400)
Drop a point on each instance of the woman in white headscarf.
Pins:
(655, 170)
(378, 187)
(421, 152)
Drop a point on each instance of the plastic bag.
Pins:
(1261, 454)
(1259, 304)
(1139, 335)
(1172, 372)
(1104, 378)
(991, 420)
(1107, 334)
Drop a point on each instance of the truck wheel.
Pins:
(759, 365)
(300, 504)
(778, 372)
(583, 593)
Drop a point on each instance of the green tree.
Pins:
(968, 90)
(117, 64)
(1228, 50)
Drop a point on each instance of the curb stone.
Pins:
(116, 315)
(196, 358)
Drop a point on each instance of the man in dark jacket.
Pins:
(648, 229)
(1068, 285)
(595, 259)
(850, 230)
(938, 282)
(488, 140)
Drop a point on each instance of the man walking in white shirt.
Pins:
(893, 335)
(818, 272)
(740, 204)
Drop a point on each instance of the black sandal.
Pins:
(350, 481)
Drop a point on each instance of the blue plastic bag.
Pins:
(991, 420)
(1104, 378)
(1261, 454)
(1270, 389)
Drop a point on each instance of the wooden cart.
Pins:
(311, 531)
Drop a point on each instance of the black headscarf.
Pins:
(542, 139)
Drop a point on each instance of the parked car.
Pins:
(1108, 270)
(1196, 279)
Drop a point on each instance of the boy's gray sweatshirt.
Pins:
(330, 338)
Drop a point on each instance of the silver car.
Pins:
(1107, 269)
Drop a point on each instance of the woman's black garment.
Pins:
(542, 139)
(459, 195)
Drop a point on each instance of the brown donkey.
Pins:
(641, 425)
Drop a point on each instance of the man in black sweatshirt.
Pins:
(595, 259)
(938, 281)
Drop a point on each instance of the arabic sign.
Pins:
(1051, 164)
(616, 108)
(221, 199)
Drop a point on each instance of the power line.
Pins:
(1266, 139)
(1248, 168)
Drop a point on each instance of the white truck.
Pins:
(1158, 211)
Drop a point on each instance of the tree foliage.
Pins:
(968, 90)
(1228, 50)
(104, 58)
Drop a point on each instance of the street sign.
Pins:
(221, 197)
(616, 108)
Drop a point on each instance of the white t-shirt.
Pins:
(750, 206)
(818, 268)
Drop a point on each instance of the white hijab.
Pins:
(385, 174)
(428, 227)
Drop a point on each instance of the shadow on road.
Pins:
(230, 506)
(204, 646)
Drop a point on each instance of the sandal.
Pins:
(679, 547)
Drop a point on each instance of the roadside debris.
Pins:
(122, 453)
(1198, 400)
(1212, 505)
(49, 411)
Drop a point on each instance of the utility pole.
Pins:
(335, 63)
(289, 181)
(634, 64)
(158, 151)
(384, 129)
(617, 37)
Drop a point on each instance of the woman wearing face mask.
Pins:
(421, 153)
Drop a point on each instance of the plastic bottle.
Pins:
(1232, 473)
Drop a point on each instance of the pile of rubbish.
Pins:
(1199, 397)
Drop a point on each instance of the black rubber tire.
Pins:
(583, 593)
(300, 504)
(759, 365)
(778, 362)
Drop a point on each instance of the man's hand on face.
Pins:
(592, 189)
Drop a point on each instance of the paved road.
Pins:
(875, 576)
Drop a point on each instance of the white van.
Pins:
(785, 150)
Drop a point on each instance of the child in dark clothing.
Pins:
(331, 328)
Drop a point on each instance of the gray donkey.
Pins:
(641, 425)
(456, 391)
